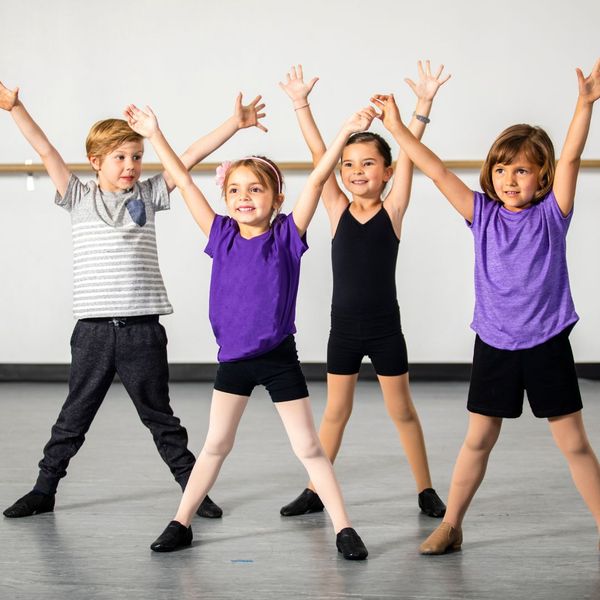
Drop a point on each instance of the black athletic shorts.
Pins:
(379, 338)
(278, 370)
(546, 372)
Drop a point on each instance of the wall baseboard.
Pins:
(205, 372)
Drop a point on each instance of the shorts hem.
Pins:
(491, 413)
(559, 413)
(288, 399)
(221, 388)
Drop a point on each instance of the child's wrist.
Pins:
(424, 105)
(301, 103)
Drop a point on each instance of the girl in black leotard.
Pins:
(365, 320)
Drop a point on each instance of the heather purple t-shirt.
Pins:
(253, 286)
(522, 293)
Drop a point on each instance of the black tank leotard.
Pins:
(364, 267)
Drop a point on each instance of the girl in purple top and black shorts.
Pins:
(523, 306)
(256, 256)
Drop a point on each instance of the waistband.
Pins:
(122, 321)
(366, 328)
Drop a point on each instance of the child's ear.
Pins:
(95, 161)
(387, 174)
(279, 198)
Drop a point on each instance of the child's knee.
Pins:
(337, 415)
(574, 445)
(217, 447)
(402, 413)
(480, 443)
(308, 448)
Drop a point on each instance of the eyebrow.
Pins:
(252, 183)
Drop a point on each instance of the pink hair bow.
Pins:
(221, 173)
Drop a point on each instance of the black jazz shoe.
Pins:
(348, 542)
(431, 504)
(307, 502)
(209, 510)
(174, 536)
(33, 503)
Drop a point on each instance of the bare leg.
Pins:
(226, 410)
(298, 421)
(469, 471)
(340, 396)
(400, 407)
(471, 465)
(570, 436)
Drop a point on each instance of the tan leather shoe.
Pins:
(444, 539)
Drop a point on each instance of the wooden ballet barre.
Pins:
(8, 168)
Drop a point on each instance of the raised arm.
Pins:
(425, 90)
(53, 162)
(455, 190)
(244, 115)
(567, 167)
(334, 199)
(145, 123)
(309, 198)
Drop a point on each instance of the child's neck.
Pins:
(251, 231)
(362, 204)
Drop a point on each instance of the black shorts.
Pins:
(379, 338)
(278, 370)
(546, 372)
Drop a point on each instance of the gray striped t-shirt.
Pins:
(115, 260)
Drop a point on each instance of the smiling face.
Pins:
(516, 183)
(120, 168)
(249, 201)
(363, 170)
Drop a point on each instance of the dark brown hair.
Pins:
(382, 146)
(537, 147)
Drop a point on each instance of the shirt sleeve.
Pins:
(73, 194)
(217, 231)
(479, 201)
(286, 233)
(552, 208)
(155, 191)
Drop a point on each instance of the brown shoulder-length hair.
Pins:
(534, 142)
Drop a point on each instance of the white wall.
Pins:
(79, 62)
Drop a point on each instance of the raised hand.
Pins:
(428, 85)
(389, 113)
(249, 115)
(8, 98)
(141, 121)
(589, 87)
(361, 120)
(295, 87)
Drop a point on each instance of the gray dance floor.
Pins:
(527, 535)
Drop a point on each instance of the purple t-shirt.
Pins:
(522, 293)
(253, 286)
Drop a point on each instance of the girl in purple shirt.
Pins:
(256, 260)
(523, 306)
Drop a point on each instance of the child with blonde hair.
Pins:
(118, 292)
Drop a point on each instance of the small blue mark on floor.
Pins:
(241, 561)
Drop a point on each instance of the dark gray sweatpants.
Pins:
(136, 349)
